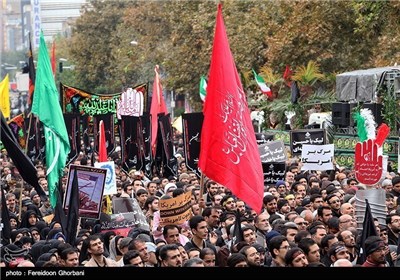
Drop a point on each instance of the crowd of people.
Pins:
(308, 219)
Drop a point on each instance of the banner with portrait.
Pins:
(91, 182)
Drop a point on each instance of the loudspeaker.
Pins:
(376, 110)
(397, 85)
(341, 114)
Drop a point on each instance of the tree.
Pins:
(338, 35)
(92, 43)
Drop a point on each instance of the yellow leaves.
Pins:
(308, 75)
(269, 76)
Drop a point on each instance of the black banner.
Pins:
(305, 136)
(192, 124)
(273, 172)
(72, 123)
(263, 138)
(35, 142)
(86, 132)
(170, 163)
(109, 131)
(131, 143)
(146, 132)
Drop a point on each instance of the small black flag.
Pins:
(237, 231)
(73, 210)
(5, 220)
(295, 92)
(368, 230)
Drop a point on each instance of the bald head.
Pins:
(347, 208)
(342, 263)
(26, 263)
(346, 222)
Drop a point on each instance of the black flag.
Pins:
(368, 230)
(148, 155)
(5, 220)
(59, 214)
(73, 210)
(192, 124)
(295, 92)
(170, 162)
(72, 123)
(237, 231)
(131, 143)
(21, 161)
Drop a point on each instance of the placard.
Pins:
(317, 157)
(91, 182)
(125, 205)
(176, 210)
(273, 172)
(305, 136)
(110, 186)
(262, 138)
(273, 151)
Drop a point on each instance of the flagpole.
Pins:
(20, 205)
(29, 130)
(202, 203)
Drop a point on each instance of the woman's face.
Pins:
(32, 220)
(57, 226)
(13, 223)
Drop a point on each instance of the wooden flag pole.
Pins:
(20, 204)
(29, 130)
(201, 201)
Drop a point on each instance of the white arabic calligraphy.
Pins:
(236, 134)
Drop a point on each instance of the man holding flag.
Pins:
(46, 107)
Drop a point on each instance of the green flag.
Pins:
(46, 107)
(203, 88)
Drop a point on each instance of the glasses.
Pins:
(302, 223)
(285, 247)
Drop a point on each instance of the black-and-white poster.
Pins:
(273, 151)
(192, 124)
(273, 172)
(263, 138)
(305, 136)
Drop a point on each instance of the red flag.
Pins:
(157, 107)
(287, 76)
(229, 153)
(32, 74)
(102, 143)
(53, 58)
